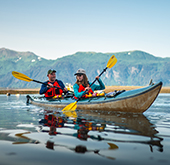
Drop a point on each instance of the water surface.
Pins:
(83, 137)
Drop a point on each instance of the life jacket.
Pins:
(82, 88)
(51, 92)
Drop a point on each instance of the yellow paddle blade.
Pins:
(21, 76)
(112, 146)
(71, 107)
(70, 114)
(112, 61)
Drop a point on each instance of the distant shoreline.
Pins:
(19, 91)
(108, 89)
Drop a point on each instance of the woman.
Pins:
(82, 84)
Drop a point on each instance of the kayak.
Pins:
(136, 101)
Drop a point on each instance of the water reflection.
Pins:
(97, 126)
(97, 132)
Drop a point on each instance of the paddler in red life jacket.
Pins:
(83, 84)
(50, 90)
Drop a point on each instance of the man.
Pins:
(54, 87)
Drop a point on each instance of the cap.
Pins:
(80, 71)
(50, 71)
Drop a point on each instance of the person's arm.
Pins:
(61, 84)
(101, 86)
(43, 89)
(76, 92)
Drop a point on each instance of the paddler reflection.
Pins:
(53, 122)
(82, 126)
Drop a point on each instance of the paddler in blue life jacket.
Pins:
(54, 87)
(83, 84)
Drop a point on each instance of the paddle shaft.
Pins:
(104, 70)
(44, 83)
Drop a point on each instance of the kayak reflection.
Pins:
(127, 124)
(98, 132)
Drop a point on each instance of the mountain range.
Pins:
(133, 68)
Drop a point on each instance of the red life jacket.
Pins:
(82, 88)
(51, 92)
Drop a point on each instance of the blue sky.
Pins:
(55, 28)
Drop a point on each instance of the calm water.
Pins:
(83, 137)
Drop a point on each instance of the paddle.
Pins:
(70, 114)
(23, 77)
(72, 106)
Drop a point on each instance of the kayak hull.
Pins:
(136, 101)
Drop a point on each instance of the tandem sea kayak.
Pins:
(136, 101)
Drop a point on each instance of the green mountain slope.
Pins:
(132, 68)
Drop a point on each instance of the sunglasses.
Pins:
(79, 75)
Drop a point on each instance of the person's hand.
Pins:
(65, 90)
(87, 88)
(50, 85)
(97, 77)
